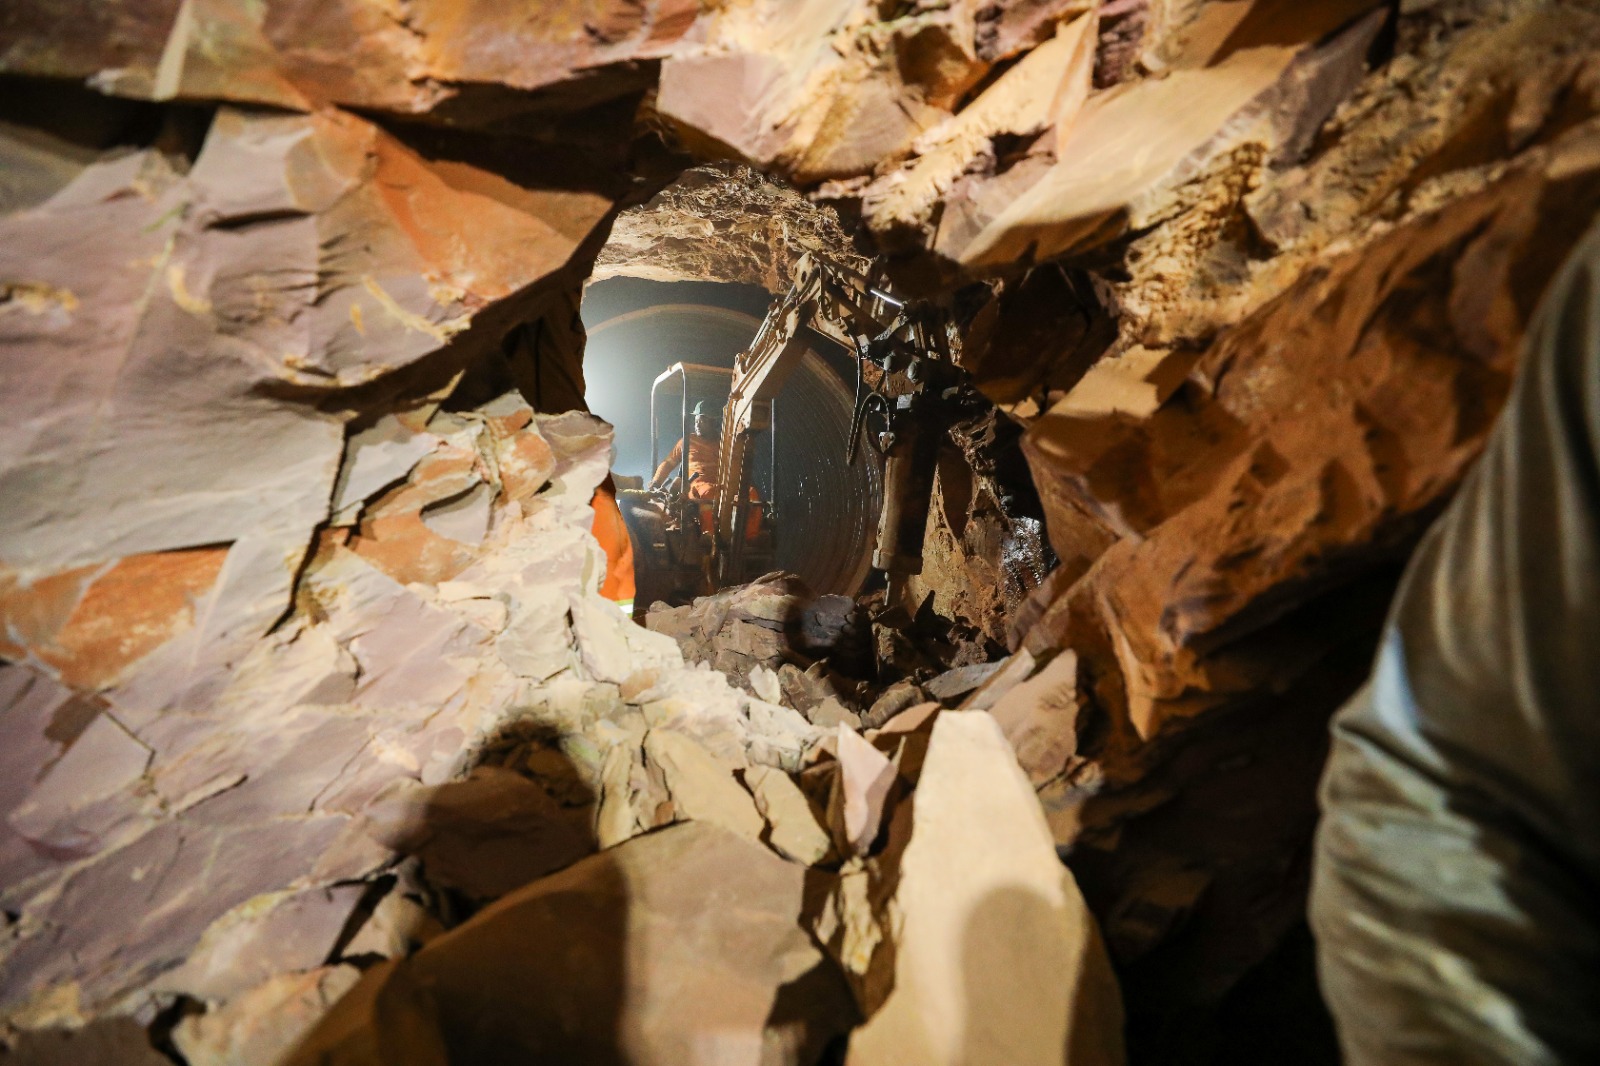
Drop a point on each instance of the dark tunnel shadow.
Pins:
(533, 969)
(548, 969)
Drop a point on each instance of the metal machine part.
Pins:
(674, 533)
(907, 382)
(829, 508)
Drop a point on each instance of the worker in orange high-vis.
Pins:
(705, 456)
(612, 534)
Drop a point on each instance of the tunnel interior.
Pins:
(825, 508)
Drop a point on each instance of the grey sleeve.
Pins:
(1456, 898)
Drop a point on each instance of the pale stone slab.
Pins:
(860, 791)
(678, 948)
(793, 829)
(263, 937)
(997, 958)
(702, 788)
(260, 1027)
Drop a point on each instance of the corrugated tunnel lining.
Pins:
(827, 508)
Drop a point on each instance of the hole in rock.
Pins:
(816, 512)
(784, 415)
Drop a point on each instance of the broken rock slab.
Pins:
(771, 622)
(952, 684)
(262, 1026)
(1039, 717)
(265, 936)
(805, 689)
(485, 836)
(896, 698)
(997, 958)
(702, 788)
(830, 712)
(678, 948)
(860, 792)
(398, 926)
(793, 827)
(105, 1042)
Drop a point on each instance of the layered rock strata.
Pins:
(445, 619)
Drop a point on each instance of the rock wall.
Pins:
(723, 223)
(1250, 276)
(1285, 254)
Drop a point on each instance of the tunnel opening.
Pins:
(973, 545)
(821, 509)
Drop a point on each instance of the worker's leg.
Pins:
(1457, 891)
(612, 533)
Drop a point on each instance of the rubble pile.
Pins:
(457, 725)
(835, 660)
(446, 685)
(700, 943)
(306, 694)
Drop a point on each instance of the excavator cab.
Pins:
(909, 390)
(674, 534)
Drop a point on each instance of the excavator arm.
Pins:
(848, 308)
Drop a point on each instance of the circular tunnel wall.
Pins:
(826, 509)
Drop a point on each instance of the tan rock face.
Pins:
(820, 89)
(980, 891)
(355, 53)
(722, 223)
(672, 948)
(1243, 514)
(1311, 438)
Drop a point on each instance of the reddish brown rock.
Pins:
(1118, 163)
(1236, 608)
(819, 90)
(725, 223)
(444, 55)
(1305, 442)
(138, 604)
(34, 611)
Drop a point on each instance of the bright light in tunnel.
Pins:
(615, 397)
(823, 508)
(626, 352)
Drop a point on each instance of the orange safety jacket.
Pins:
(612, 533)
(705, 463)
